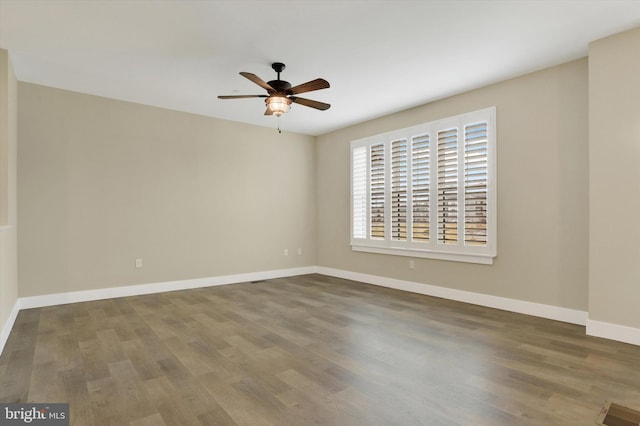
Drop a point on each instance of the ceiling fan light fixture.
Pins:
(280, 93)
(277, 104)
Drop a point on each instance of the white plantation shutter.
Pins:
(399, 190)
(377, 190)
(359, 191)
(475, 184)
(441, 174)
(448, 186)
(420, 178)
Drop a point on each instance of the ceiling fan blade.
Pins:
(241, 96)
(309, 86)
(268, 112)
(257, 80)
(310, 103)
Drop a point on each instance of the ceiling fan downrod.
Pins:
(278, 67)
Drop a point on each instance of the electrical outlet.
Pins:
(299, 252)
(286, 252)
(412, 264)
(138, 263)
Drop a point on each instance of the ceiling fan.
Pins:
(281, 94)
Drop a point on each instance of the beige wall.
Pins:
(8, 231)
(542, 192)
(7, 107)
(103, 182)
(614, 187)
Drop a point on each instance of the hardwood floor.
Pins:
(311, 350)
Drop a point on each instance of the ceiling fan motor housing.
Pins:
(280, 85)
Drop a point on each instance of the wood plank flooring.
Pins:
(311, 350)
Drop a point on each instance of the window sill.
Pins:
(454, 257)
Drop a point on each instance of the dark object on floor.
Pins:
(616, 415)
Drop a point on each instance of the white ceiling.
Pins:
(379, 56)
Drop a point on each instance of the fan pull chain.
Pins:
(279, 130)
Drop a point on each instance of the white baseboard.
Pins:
(136, 290)
(513, 305)
(6, 329)
(621, 333)
(594, 328)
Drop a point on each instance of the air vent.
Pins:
(616, 415)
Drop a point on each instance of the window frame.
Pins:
(433, 248)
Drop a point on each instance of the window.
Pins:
(428, 190)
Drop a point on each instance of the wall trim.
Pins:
(606, 330)
(593, 328)
(8, 326)
(513, 305)
(137, 290)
